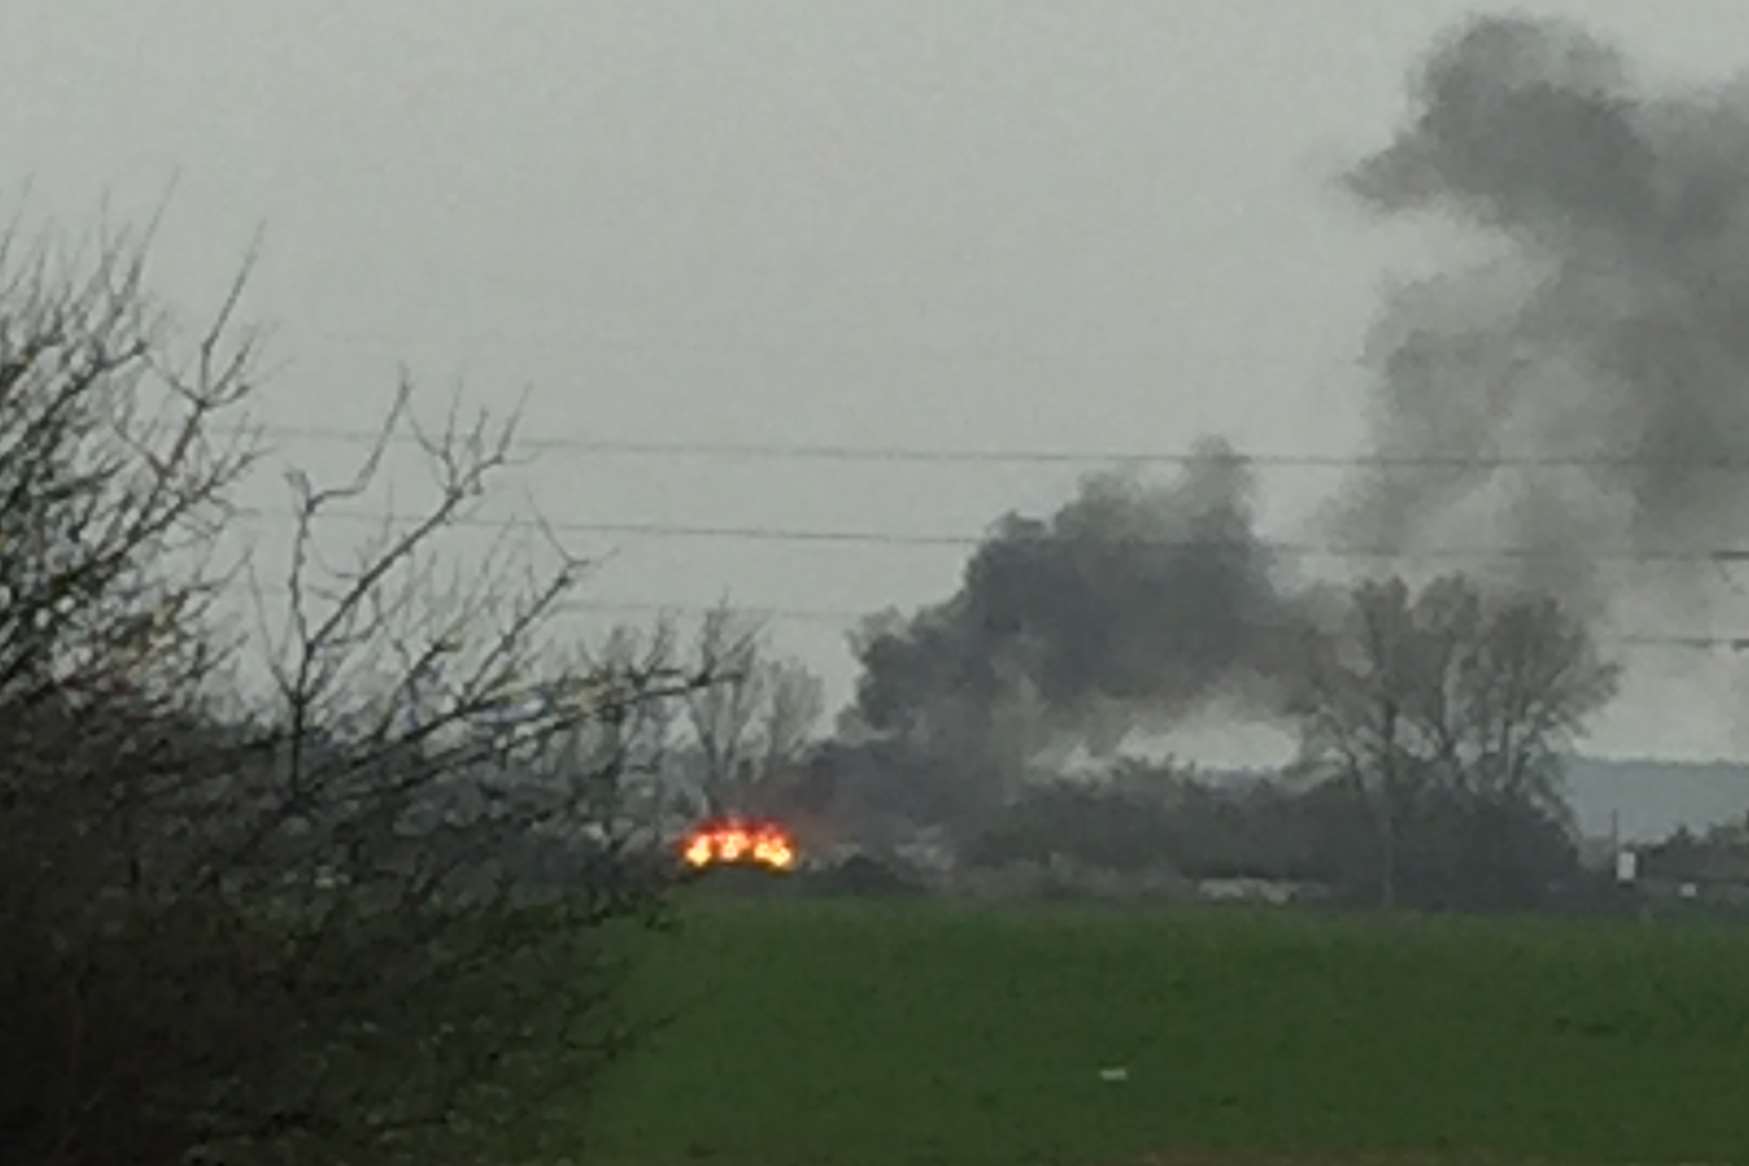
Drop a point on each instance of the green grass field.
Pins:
(867, 1033)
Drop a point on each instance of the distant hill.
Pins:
(1655, 797)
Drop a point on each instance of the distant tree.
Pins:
(279, 920)
(1720, 855)
(645, 732)
(752, 726)
(1425, 704)
(1483, 853)
(874, 790)
(1108, 829)
(1153, 815)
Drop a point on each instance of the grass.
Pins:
(851, 1033)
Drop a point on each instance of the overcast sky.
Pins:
(1063, 226)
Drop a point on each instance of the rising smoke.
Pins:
(1133, 606)
(1608, 329)
(1614, 320)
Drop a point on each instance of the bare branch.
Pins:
(217, 893)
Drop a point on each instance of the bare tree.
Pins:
(313, 919)
(1450, 692)
(753, 723)
(795, 701)
(644, 735)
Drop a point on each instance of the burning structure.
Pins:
(732, 843)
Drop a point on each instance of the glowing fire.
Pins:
(765, 845)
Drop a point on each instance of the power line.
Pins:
(826, 615)
(585, 343)
(778, 534)
(843, 616)
(799, 451)
(847, 615)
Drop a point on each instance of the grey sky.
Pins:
(1079, 226)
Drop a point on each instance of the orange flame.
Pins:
(766, 845)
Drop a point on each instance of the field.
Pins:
(852, 1033)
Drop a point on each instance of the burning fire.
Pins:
(732, 843)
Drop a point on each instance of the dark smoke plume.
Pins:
(1616, 322)
(1134, 605)
(1610, 327)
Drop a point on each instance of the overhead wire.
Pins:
(844, 617)
(834, 452)
(1719, 557)
(805, 535)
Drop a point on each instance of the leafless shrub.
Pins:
(361, 912)
(750, 727)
